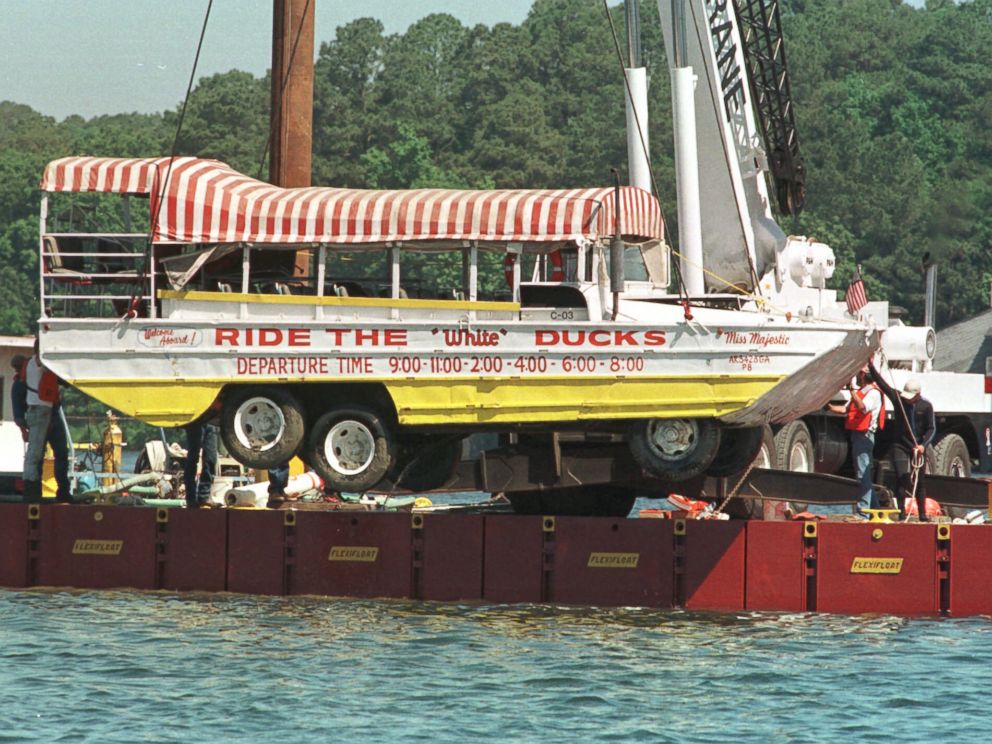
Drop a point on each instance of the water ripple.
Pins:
(160, 667)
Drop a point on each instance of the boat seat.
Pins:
(64, 268)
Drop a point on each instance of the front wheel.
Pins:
(350, 448)
(262, 427)
(675, 449)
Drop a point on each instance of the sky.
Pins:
(92, 57)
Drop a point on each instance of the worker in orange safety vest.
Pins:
(864, 415)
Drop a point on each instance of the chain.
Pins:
(735, 489)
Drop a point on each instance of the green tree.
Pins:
(226, 119)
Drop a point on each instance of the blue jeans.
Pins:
(862, 446)
(59, 441)
(45, 426)
(200, 438)
(278, 479)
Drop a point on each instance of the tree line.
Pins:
(894, 105)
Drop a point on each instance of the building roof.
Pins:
(964, 346)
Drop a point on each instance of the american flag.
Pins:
(856, 296)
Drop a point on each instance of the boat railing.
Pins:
(94, 274)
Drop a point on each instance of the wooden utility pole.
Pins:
(291, 117)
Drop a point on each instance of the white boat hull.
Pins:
(468, 364)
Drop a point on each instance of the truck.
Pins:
(815, 441)
(197, 313)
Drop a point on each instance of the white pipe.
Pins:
(637, 128)
(687, 179)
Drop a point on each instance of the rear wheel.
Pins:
(738, 449)
(794, 452)
(766, 453)
(262, 427)
(951, 457)
(675, 449)
(350, 448)
(794, 448)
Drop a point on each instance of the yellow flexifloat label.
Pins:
(353, 553)
(613, 560)
(876, 565)
(97, 547)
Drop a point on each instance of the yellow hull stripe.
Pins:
(269, 299)
(473, 402)
(569, 399)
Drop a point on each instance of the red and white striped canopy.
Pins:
(206, 201)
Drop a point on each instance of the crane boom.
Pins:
(768, 73)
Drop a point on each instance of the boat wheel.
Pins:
(350, 448)
(261, 427)
(674, 449)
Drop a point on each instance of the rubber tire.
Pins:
(738, 449)
(382, 459)
(949, 451)
(424, 462)
(792, 435)
(766, 453)
(695, 463)
(280, 453)
(952, 447)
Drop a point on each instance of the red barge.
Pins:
(725, 566)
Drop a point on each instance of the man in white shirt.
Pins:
(43, 405)
(864, 415)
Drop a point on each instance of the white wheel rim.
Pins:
(673, 439)
(349, 447)
(259, 424)
(957, 468)
(798, 459)
(764, 458)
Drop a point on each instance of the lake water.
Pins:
(159, 667)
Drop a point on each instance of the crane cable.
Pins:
(917, 460)
(132, 309)
(182, 116)
(683, 293)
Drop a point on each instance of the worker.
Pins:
(201, 439)
(45, 427)
(913, 429)
(19, 394)
(278, 480)
(864, 415)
